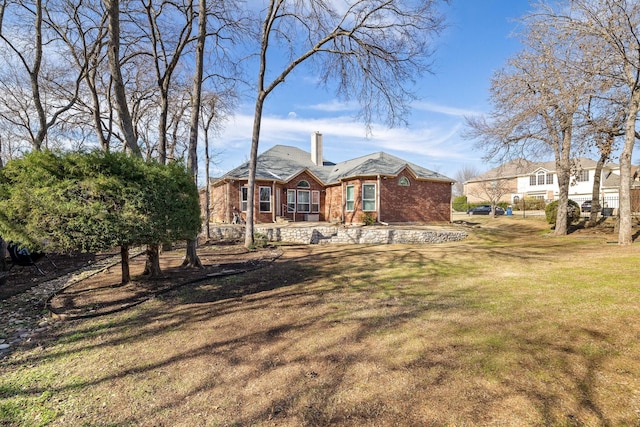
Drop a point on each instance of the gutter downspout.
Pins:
(378, 198)
(451, 205)
(227, 195)
(273, 201)
(344, 203)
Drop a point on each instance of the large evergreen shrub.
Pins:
(95, 201)
(573, 212)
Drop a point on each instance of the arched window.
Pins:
(403, 181)
(303, 184)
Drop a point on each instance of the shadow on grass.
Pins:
(325, 322)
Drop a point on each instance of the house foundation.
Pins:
(327, 234)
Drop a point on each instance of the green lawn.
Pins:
(510, 327)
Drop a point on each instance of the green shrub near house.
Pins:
(573, 212)
(460, 204)
(369, 219)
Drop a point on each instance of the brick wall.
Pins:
(333, 203)
(219, 204)
(420, 201)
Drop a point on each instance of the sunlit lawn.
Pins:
(510, 327)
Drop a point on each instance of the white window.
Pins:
(368, 197)
(244, 198)
(291, 201)
(541, 178)
(304, 184)
(265, 199)
(303, 201)
(583, 176)
(403, 181)
(315, 201)
(351, 197)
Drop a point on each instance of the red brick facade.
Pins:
(406, 199)
(398, 199)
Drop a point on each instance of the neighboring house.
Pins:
(301, 186)
(524, 179)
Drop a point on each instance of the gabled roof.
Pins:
(381, 164)
(282, 163)
(522, 167)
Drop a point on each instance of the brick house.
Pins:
(301, 186)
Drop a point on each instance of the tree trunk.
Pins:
(113, 53)
(124, 256)
(563, 165)
(207, 189)
(595, 191)
(152, 264)
(162, 125)
(35, 85)
(624, 211)
(563, 202)
(253, 160)
(191, 258)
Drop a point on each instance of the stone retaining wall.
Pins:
(339, 234)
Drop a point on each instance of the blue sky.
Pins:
(478, 41)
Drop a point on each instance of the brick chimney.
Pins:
(316, 148)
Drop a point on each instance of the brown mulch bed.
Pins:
(22, 278)
(103, 293)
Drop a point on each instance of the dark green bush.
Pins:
(573, 212)
(460, 204)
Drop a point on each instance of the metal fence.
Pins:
(605, 202)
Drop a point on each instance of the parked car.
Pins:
(586, 206)
(484, 210)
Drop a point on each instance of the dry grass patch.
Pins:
(510, 327)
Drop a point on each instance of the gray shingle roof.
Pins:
(283, 162)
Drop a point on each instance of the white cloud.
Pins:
(444, 109)
(423, 144)
(332, 107)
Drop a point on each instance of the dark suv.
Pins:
(485, 210)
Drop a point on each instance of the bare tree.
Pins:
(603, 124)
(167, 44)
(53, 89)
(113, 53)
(463, 175)
(610, 29)
(535, 102)
(492, 191)
(370, 49)
(191, 257)
(215, 109)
